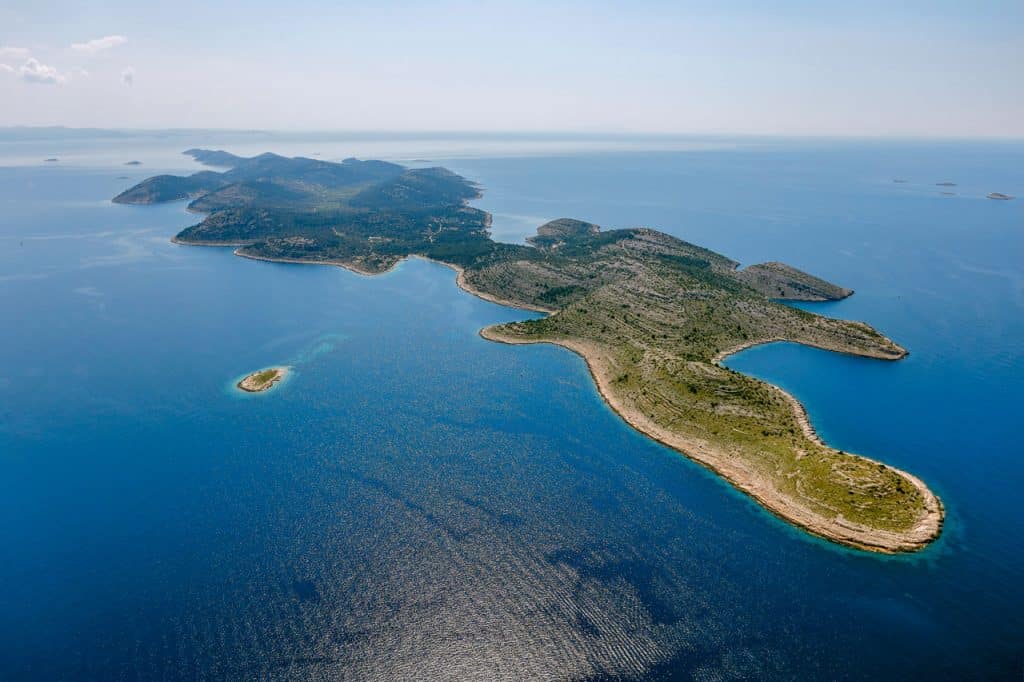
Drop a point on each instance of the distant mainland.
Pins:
(653, 317)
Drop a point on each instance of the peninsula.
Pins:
(653, 317)
(262, 380)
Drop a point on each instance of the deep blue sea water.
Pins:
(417, 503)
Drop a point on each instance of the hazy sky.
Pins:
(922, 68)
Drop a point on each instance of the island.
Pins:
(209, 157)
(945, 184)
(999, 195)
(52, 159)
(262, 380)
(653, 317)
(133, 163)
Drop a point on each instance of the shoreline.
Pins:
(296, 261)
(838, 530)
(299, 261)
(185, 242)
(720, 356)
(246, 383)
(460, 279)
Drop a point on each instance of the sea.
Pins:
(417, 503)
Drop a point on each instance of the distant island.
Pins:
(263, 379)
(999, 195)
(652, 315)
(945, 184)
(214, 158)
(52, 159)
(133, 163)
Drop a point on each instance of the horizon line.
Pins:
(551, 133)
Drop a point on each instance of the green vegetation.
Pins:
(262, 380)
(265, 376)
(778, 280)
(652, 314)
(170, 188)
(214, 158)
(659, 323)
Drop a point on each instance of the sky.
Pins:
(936, 68)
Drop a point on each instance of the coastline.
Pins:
(185, 242)
(247, 382)
(838, 530)
(460, 281)
(297, 261)
(723, 354)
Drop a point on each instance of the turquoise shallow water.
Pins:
(415, 502)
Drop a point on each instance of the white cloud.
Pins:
(13, 52)
(6, 69)
(34, 72)
(98, 44)
(128, 76)
(79, 72)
